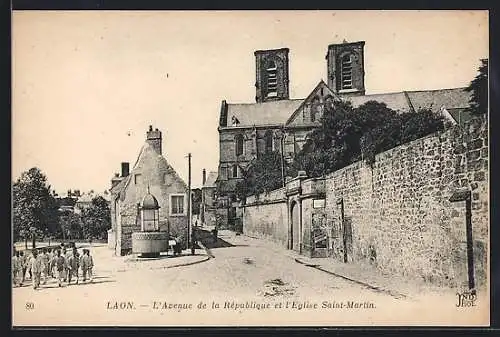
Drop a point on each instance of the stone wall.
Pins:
(399, 209)
(265, 216)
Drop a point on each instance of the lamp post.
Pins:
(465, 195)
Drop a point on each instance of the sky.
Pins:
(87, 84)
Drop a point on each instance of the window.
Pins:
(165, 178)
(137, 178)
(272, 79)
(239, 144)
(315, 109)
(346, 72)
(235, 171)
(177, 202)
(268, 137)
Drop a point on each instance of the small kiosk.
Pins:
(150, 241)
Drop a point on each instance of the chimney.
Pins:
(153, 138)
(204, 176)
(116, 180)
(125, 169)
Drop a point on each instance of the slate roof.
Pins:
(450, 98)
(212, 177)
(266, 113)
(395, 101)
(279, 112)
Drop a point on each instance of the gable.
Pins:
(151, 170)
(310, 110)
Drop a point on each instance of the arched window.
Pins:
(272, 79)
(315, 109)
(346, 71)
(268, 137)
(235, 171)
(239, 144)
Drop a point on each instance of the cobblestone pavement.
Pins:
(245, 282)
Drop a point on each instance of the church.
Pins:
(276, 122)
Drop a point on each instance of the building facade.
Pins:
(152, 173)
(276, 122)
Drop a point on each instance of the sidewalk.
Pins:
(362, 274)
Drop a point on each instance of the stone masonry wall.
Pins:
(265, 216)
(401, 216)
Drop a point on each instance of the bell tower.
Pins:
(346, 69)
(271, 75)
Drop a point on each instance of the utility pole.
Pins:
(190, 227)
(282, 146)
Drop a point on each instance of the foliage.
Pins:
(263, 174)
(96, 219)
(479, 90)
(34, 206)
(71, 226)
(350, 134)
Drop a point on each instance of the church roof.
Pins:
(396, 101)
(279, 112)
(212, 177)
(456, 98)
(266, 113)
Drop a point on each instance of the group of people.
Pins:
(61, 263)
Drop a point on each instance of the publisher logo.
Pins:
(466, 299)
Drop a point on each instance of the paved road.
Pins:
(242, 273)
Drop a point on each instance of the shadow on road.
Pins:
(208, 241)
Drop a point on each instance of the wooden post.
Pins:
(470, 253)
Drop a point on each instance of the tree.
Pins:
(263, 174)
(350, 134)
(34, 206)
(71, 225)
(478, 103)
(96, 219)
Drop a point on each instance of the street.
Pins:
(247, 282)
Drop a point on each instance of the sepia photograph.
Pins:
(250, 168)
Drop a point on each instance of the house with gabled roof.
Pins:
(150, 173)
(275, 122)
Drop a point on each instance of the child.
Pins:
(36, 266)
(45, 264)
(60, 265)
(73, 265)
(84, 263)
(90, 266)
(49, 265)
(15, 267)
(23, 264)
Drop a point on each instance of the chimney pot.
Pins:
(204, 176)
(150, 128)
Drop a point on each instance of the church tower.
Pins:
(271, 75)
(346, 70)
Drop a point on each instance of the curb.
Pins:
(205, 259)
(208, 251)
(366, 285)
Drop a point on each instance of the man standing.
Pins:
(36, 266)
